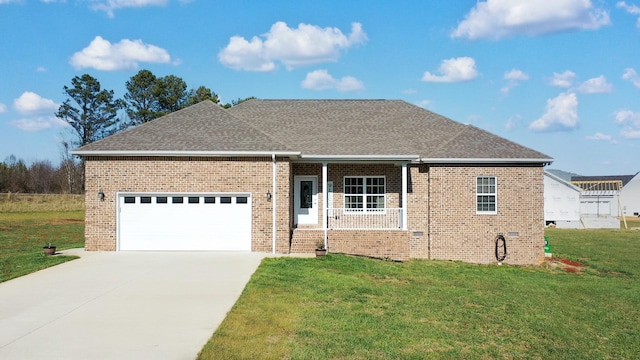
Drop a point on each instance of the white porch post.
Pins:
(325, 200)
(404, 196)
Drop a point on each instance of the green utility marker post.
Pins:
(547, 247)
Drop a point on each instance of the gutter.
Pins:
(183, 153)
(545, 161)
(362, 158)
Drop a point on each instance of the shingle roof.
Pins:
(317, 128)
(201, 127)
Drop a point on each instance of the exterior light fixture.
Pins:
(268, 195)
(100, 195)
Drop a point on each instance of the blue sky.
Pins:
(561, 77)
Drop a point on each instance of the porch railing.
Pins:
(364, 219)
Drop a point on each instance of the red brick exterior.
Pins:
(458, 233)
(174, 174)
(442, 220)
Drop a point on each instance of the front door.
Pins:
(306, 200)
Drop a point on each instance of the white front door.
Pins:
(305, 196)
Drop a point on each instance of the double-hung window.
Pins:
(486, 195)
(364, 193)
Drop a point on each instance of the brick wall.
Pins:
(418, 212)
(305, 241)
(458, 233)
(442, 219)
(174, 174)
(392, 244)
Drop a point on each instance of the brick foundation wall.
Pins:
(392, 244)
(458, 233)
(176, 174)
(305, 241)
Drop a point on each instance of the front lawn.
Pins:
(23, 234)
(341, 307)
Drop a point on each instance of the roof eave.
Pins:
(359, 158)
(487, 160)
(183, 153)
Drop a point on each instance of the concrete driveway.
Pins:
(122, 305)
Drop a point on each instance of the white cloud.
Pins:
(424, 103)
(601, 137)
(596, 86)
(453, 70)
(30, 103)
(109, 6)
(39, 111)
(514, 77)
(630, 9)
(561, 114)
(563, 80)
(631, 75)
(306, 45)
(513, 122)
(39, 123)
(630, 123)
(516, 74)
(3, 108)
(41, 69)
(124, 55)
(495, 19)
(322, 80)
(11, 1)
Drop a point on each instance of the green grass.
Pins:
(23, 235)
(341, 307)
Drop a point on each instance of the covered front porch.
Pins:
(351, 206)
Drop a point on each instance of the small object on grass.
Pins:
(49, 249)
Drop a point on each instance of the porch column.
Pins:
(404, 196)
(325, 200)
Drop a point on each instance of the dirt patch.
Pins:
(570, 266)
(571, 263)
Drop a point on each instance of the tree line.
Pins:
(94, 113)
(41, 177)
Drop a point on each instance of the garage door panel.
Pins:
(185, 226)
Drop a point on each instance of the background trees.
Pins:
(141, 97)
(149, 97)
(90, 110)
(95, 113)
(41, 177)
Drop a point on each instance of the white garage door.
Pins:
(184, 222)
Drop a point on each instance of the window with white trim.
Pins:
(486, 195)
(364, 193)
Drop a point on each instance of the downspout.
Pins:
(429, 192)
(274, 205)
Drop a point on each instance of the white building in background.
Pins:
(602, 195)
(561, 203)
(630, 197)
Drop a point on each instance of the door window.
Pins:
(306, 188)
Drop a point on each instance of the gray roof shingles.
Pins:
(201, 127)
(319, 128)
